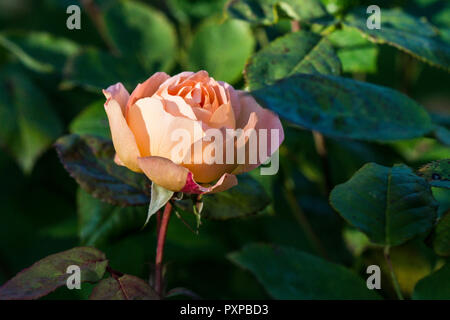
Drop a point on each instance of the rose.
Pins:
(145, 126)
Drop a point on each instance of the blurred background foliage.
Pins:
(50, 84)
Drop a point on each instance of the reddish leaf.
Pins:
(126, 287)
(50, 273)
(89, 160)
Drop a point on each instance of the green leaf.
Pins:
(407, 33)
(90, 161)
(29, 125)
(298, 52)
(441, 239)
(247, 198)
(266, 11)
(222, 49)
(437, 173)
(346, 108)
(355, 52)
(302, 10)
(160, 196)
(125, 287)
(142, 34)
(92, 121)
(101, 223)
(39, 51)
(442, 134)
(195, 10)
(50, 273)
(95, 70)
(435, 286)
(287, 273)
(390, 205)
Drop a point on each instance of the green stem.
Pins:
(387, 256)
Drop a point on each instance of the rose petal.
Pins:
(177, 107)
(202, 114)
(209, 170)
(233, 98)
(118, 161)
(223, 117)
(122, 137)
(176, 178)
(136, 123)
(172, 83)
(119, 93)
(266, 120)
(162, 127)
(147, 88)
(164, 172)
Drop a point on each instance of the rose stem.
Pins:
(387, 256)
(160, 249)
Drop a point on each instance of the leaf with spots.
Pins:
(298, 52)
(390, 205)
(267, 12)
(90, 161)
(50, 273)
(410, 34)
(124, 287)
(345, 108)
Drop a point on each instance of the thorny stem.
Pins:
(160, 249)
(387, 256)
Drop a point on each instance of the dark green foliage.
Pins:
(390, 205)
(287, 273)
(90, 161)
(345, 108)
(375, 95)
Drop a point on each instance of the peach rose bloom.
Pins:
(141, 125)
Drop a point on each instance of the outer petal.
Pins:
(119, 93)
(122, 137)
(118, 161)
(164, 172)
(266, 120)
(176, 178)
(146, 89)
